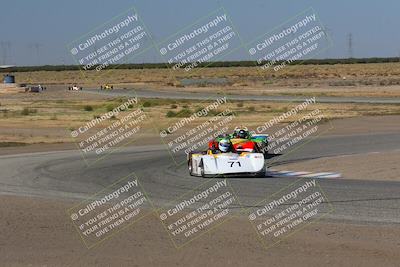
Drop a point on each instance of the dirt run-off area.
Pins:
(48, 238)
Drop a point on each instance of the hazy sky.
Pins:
(37, 32)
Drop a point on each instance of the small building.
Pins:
(9, 79)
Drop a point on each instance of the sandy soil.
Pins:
(37, 232)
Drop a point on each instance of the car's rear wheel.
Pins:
(259, 175)
(202, 172)
(201, 166)
(190, 167)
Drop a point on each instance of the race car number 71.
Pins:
(233, 162)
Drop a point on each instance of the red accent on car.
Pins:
(212, 145)
(248, 146)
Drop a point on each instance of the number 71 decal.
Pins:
(233, 162)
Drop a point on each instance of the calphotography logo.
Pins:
(109, 211)
(110, 131)
(112, 44)
(74, 51)
(200, 43)
(195, 131)
(288, 211)
(294, 128)
(199, 211)
(298, 39)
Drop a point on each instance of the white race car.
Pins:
(207, 164)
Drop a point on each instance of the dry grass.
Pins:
(378, 79)
(53, 119)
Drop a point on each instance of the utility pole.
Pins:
(350, 45)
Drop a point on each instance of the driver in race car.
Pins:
(238, 133)
(241, 133)
(241, 139)
(224, 146)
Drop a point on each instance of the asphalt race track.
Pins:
(63, 174)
